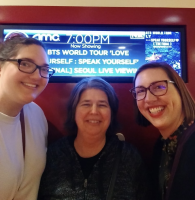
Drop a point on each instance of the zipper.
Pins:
(85, 186)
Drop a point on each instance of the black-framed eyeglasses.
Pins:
(30, 67)
(157, 88)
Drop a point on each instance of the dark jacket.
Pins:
(183, 186)
(63, 178)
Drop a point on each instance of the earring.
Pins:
(190, 123)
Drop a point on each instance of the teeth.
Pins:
(93, 121)
(156, 110)
(30, 85)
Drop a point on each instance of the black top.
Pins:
(168, 154)
(63, 177)
(86, 163)
(183, 186)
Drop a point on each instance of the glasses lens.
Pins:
(139, 93)
(46, 72)
(26, 66)
(29, 67)
(159, 88)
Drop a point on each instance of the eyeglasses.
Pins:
(30, 67)
(158, 88)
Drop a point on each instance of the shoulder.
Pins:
(33, 108)
(35, 118)
(184, 179)
(59, 148)
(188, 140)
(58, 144)
(34, 112)
(60, 154)
(130, 153)
(189, 147)
(132, 166)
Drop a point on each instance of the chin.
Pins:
(159, 126)
(27, 100)
(156, 124)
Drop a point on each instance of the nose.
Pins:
(150, 97)
(94, 109)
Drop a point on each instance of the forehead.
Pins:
(148, 76)
(34, 52)
(93, 94)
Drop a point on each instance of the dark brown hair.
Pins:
(188, 103)
(84, 84)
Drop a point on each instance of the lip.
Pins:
(157, 111)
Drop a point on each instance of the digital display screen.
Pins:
(114, 53)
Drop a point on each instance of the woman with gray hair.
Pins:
(91, 163)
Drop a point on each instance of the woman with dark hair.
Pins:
(91, 163)
(23, 127)
(163, 100)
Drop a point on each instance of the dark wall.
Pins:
(54, 98)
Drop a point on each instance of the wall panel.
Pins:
(54, 98)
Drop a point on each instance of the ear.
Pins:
(1, 65)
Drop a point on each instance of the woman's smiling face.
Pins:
(164, 112)
(93, 113)
(19, 87)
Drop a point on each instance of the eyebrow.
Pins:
(103, 101)
(141, 86)
(29, 59)
(148, 86)
(151, 83)
(100, 101)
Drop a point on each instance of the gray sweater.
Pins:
(63, 178)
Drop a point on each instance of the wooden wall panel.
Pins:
(54, 98)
